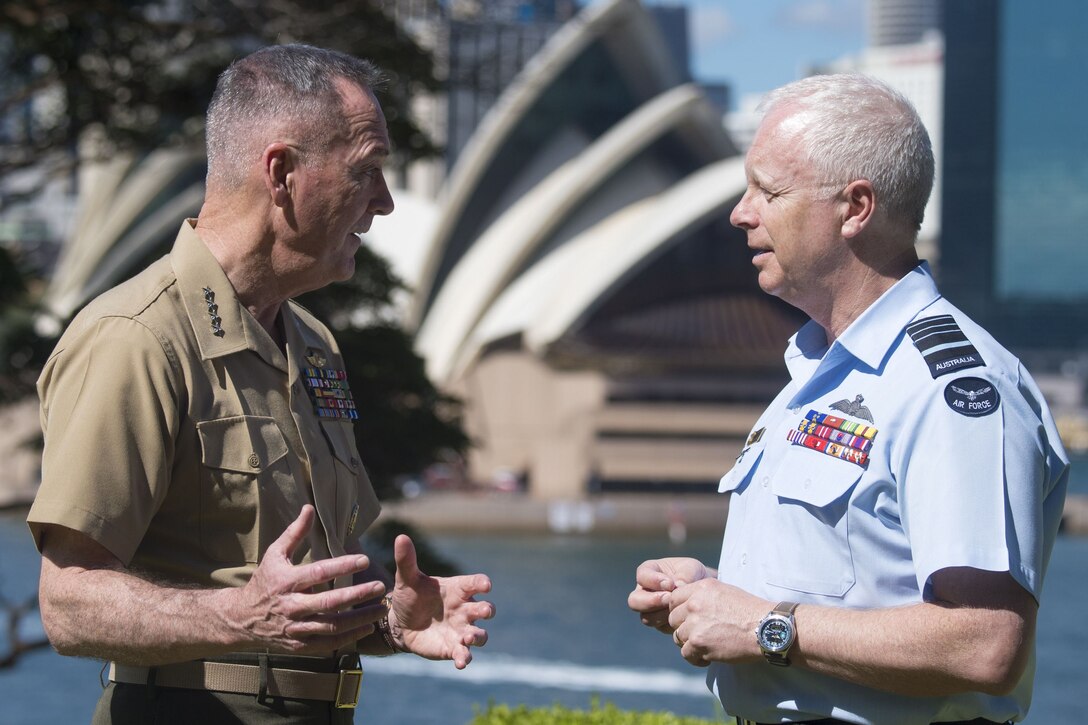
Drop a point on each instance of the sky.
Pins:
(757, 45)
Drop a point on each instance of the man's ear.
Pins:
(860, 200)
(279, 164)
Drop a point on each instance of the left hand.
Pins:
(435, 617)
(715, 622)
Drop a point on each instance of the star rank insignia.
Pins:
(213, 312)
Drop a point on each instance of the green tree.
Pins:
(139, 74)
(22, 350)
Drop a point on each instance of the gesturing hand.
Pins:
(435, 617)
(277, 609)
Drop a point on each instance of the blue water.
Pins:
(563, 634)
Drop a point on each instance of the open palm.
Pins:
(435, 617)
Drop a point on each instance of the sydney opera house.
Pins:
(578, 282)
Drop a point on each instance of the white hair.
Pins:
(857, 127)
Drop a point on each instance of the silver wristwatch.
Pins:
(776, 633)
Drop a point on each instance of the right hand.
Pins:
(278, 611)
(654, 579)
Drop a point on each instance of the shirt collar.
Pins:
(875, 331)
(220, 322)
(869, 337)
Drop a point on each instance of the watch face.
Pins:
(775, 635)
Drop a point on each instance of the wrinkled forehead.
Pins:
(364, 121)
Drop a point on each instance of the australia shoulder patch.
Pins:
(973, 397)
(943, 345)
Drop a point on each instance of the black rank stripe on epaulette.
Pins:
(943, 345)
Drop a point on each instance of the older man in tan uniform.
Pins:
(202, 494)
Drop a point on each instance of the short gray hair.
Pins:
(293, 84)
(858, 127)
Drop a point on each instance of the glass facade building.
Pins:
(1014, 238)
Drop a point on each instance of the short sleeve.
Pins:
(110, 416)
(975, 480)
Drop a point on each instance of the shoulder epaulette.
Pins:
(943, 345)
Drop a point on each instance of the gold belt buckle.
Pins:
(347, 689)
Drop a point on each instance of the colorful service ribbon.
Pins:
(330, 393)
(835, 436)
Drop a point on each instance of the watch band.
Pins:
(786, 609)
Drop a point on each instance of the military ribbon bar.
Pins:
(835, 435)
(330, 393)
(848, 426)
(823, 445)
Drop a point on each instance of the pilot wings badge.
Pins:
(854, 408)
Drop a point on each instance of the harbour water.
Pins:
(563, 634)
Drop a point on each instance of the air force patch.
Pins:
(973, 397)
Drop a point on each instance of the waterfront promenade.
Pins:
(649, 514)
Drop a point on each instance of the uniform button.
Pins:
(808, 483)
(744, 559)
(354, 463)
(766, 480)
(254, 460)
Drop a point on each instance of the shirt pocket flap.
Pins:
(814, 478)
(245, 444)
(741, 471)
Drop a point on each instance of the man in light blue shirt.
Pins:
(893, 512)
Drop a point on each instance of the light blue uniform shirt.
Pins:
(966, 469)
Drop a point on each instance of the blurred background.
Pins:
(556, 341)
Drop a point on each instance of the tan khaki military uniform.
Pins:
(180, 437)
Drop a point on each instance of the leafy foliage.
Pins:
(107, 75)
(140, 73)
(22, 350)
(609, 714)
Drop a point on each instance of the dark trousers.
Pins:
(125, 704)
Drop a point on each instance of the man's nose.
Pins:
(742, 216)
(382, 203)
